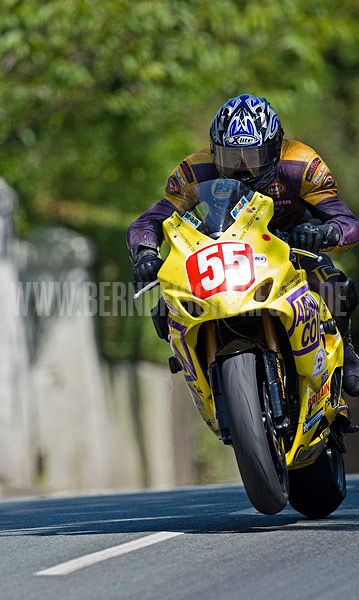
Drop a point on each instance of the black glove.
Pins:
(314, 237)
(283, 235)
(146, 267)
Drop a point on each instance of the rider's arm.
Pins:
(319, 193)
(146, 231)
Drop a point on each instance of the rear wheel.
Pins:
(318, 490)
(259, 453)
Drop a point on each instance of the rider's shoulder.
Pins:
(296, 150)
(194, 168)
(196, 164)
(198, 167)
(201, 156)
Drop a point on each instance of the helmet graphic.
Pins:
(246, 137)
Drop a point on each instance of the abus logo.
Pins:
(306, 321)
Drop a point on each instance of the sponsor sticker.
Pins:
(319, 175)
(239, 207)
(328, 181)
(312, 168)
(318, 396)
(221, 189)
(187, 171)
(244, 140)
(319, 362)
(325, 377)
(191, 219)
(261, 260)
(276, 188)
(312, 421)
(173, 185)
(306, 321)
(284, 202)
(179, 177)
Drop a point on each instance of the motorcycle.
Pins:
(260, 352)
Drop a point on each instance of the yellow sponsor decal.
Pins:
(318, 396)
(280, 377)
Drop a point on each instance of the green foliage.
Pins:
(100, 100)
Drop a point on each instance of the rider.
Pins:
(246, 143)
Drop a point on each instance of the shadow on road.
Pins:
(204, 510)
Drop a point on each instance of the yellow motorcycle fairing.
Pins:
(273, 285)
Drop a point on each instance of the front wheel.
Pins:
(318, 490)
(259, 453)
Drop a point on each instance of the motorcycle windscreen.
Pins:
(212, 206)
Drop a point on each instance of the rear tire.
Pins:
(262, 465)
(317, 490)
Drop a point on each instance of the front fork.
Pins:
(215, 380)
(274, 373)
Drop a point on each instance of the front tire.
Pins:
(261, 464)
(317, 490)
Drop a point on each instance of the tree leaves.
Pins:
(100, 100)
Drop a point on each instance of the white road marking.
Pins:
(90, 559)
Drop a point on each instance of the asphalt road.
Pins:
(203, 542)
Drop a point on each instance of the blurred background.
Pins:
(99, 101)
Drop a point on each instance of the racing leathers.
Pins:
(303, 191)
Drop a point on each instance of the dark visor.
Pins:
(249, 160)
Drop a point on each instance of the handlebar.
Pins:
(306, 253)
(147, 287)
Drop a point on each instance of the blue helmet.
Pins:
(246, 138)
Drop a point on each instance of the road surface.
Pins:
(202, 542)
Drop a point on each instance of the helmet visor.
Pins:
(246, 162)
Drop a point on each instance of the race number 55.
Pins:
(221, 267)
